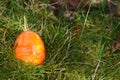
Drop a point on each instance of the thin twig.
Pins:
(86, 19)
(93, 77)
(25, 24)
(80, 63)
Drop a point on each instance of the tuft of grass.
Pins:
(75, 50)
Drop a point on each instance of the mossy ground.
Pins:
(79, 49)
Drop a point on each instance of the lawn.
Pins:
(78, 49)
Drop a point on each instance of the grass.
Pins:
(75, 50)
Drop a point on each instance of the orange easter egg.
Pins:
(30, 48)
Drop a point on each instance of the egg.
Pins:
(30, 48)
